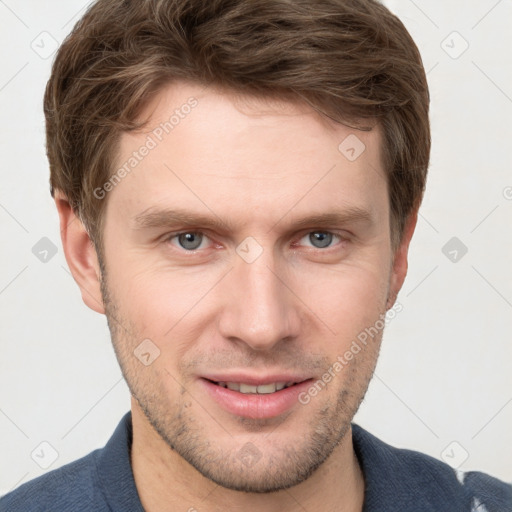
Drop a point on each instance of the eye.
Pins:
(190, 240)
(319, 239)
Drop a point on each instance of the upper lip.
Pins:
(256, 380)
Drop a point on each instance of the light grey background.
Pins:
(443, 383)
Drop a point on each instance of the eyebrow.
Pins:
(351, 215)
(159, 218)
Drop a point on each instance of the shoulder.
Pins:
(101, 481)
(400, 479)
(488, 492)
(70, 487)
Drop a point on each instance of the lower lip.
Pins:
(254, 405)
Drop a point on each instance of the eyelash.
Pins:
(335, 235)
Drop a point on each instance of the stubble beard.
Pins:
(282, 464)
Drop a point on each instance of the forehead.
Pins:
(210, 149)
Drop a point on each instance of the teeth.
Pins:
(247, 388)
(264, 389)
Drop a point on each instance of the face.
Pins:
(243, 252)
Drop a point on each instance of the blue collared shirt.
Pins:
(395, 480)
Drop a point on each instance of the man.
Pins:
(238, 182)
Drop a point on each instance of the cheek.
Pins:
(348, 292)
(346, 302)
(159, 301)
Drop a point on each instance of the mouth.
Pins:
(255, 398)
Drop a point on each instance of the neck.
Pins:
(165, 481)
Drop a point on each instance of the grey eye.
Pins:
(320, 239)
(190, 241)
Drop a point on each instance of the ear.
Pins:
(80, 254)
(399, 269)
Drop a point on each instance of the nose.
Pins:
(260, 309)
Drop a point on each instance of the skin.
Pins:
(260, 167)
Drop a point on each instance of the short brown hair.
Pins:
(351, 60)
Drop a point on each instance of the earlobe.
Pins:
(399, 270)
(80, 254)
